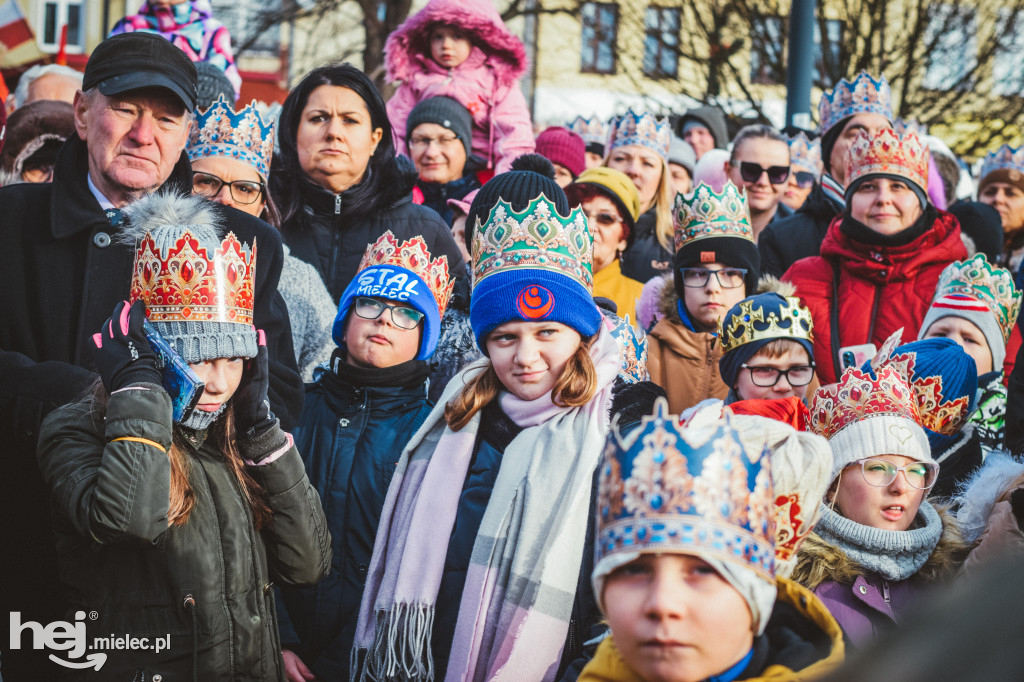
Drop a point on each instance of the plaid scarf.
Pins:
(526, 558)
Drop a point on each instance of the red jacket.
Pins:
(880, 288)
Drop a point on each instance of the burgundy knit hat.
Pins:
(562, 146)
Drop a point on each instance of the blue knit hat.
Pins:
(401, 272)
(945, 381)
(532, 265)
(755, 322)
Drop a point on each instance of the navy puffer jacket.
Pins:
(354, 425)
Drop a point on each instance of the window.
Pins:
(952, 47)
(768, 56)
(1008, 61)
(244, 20)
(54, 16)
(600, 32)
(661, 42)
(767, 61)
(828, 70)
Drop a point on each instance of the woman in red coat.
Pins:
(881, 258)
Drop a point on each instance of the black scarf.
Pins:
(861, 233)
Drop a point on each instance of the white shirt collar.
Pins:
(105, 203)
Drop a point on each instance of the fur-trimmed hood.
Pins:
(407, 49)
(978, 495)
(819, 561)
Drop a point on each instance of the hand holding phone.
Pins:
(123, 356)
(178, 379)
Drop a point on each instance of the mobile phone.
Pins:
(856, 356)
(180, 382)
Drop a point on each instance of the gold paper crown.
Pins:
(975, 279)
(762, 317)
(891, 154)
(706, 213)
(536, 237)
(858, 396)
(412, 255)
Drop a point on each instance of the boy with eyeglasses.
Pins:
(715, 264)
(767, 344)
(358, 415)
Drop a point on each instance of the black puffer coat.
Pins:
(646, 258)
(785, 241)
(205, 583)
(331, 231)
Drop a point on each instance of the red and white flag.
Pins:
(14, 30)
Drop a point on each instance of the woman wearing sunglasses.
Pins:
(759, 164)
(805, 169)
(879, 543)
(230, 154)
(612, 204)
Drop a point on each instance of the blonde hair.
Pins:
(575, 387)
(664, 199)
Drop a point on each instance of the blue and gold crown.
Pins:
(805, 153)
(671, 488)
(763, 317)
(241, 135)
(592, 130)
(1004, 158)
(643, 129)
(536, 237)
(864, 95)
(633, 348)
(705, 213)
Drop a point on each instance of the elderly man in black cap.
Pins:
(65, 270)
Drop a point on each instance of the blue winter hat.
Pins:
(945, 381)
(755, 322)
(533, 265)
(401, 272)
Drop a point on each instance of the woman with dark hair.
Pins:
(337, 181)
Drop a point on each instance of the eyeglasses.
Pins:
(604, 219)
(728, 278)
(803, 179)
(764, 377)
(880, 473)
(402, 316)
(242, 191)
(419, 143)
(751, 172)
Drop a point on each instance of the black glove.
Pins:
(259, 432)
(123, 354)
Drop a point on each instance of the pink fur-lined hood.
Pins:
(410, 42)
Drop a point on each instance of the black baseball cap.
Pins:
(129, 61)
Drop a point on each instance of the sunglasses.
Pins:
(751, 172)
(803, 179)
(604, 219)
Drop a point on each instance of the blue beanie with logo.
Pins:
(395, 284)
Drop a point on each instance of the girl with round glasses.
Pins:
(880, 543)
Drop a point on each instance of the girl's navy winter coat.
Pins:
(351, 435)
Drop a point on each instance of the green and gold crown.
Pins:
(975, 279)
(706, 213)
(763, 317)
(536, 237)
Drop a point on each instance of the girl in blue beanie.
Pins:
(481, 560)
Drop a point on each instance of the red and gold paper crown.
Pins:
(188, 283)
(937, 413)
(412, 255)
(891, 154)
(859, 396)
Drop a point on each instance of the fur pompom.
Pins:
(160, 210)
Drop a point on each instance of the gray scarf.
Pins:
(201, 420)
(892, 554)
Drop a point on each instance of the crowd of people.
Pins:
(411, 390)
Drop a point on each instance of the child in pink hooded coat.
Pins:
(461, 49)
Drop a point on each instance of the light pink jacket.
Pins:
(487, 83)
